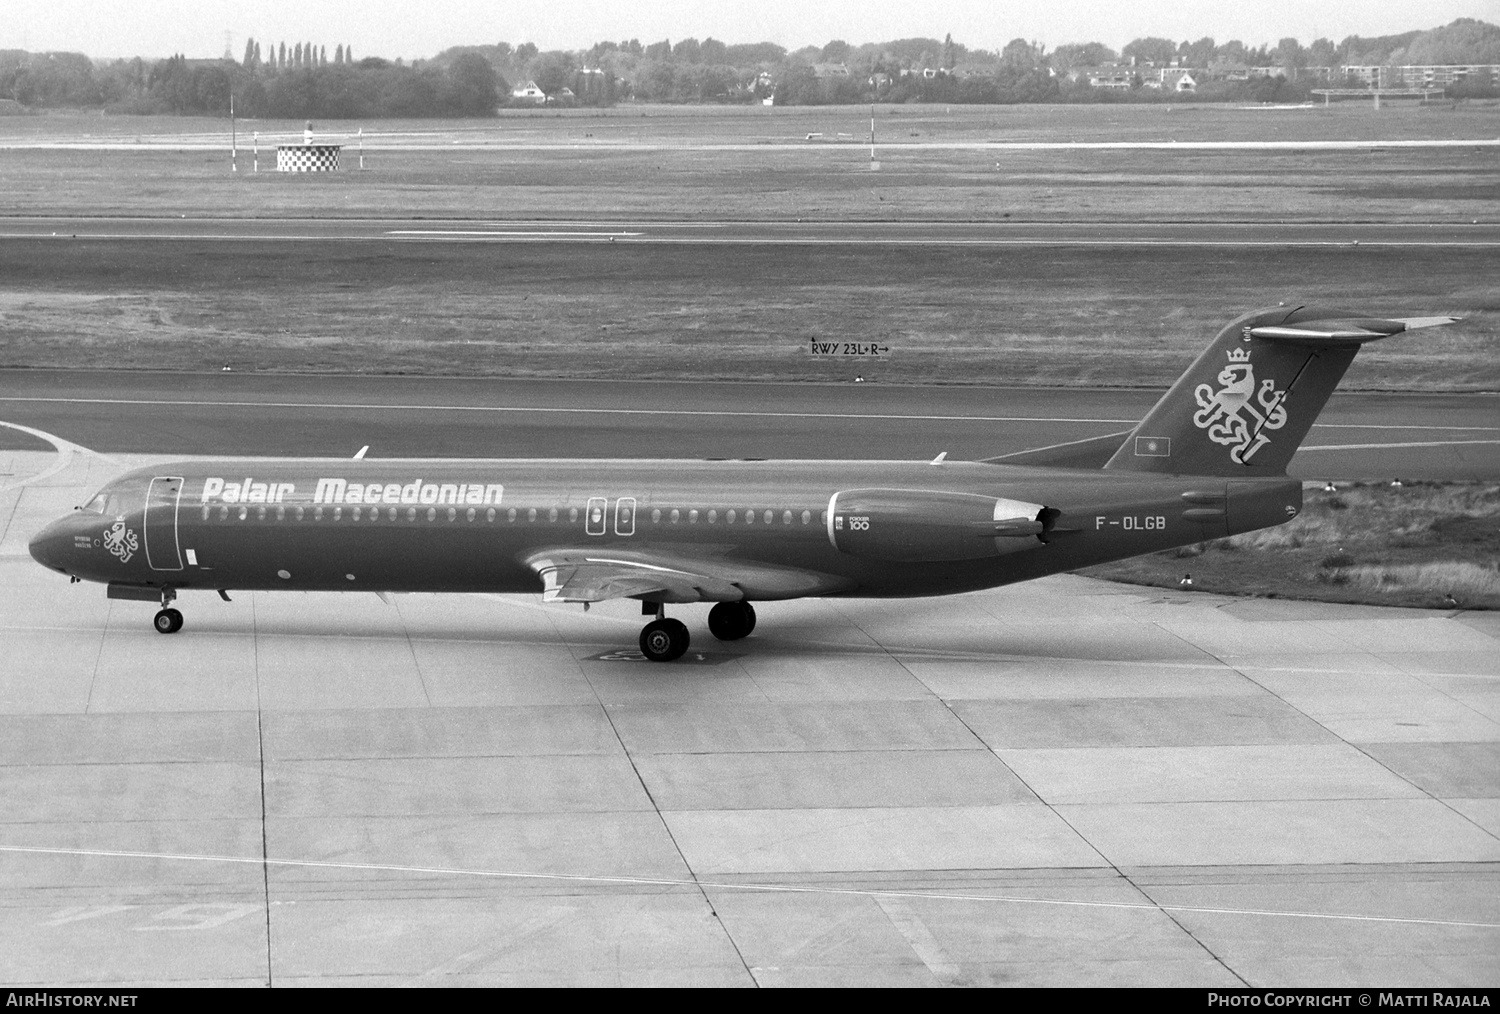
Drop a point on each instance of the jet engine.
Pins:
(928, 526)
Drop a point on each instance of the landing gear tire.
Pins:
(168, 621)
(730, 621)
(664, 640)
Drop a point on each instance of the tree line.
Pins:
(301, 80)
(290, 82)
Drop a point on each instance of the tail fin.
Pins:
(1244, 406)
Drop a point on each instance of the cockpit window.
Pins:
(96, 505)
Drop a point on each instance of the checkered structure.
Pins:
(307, 158)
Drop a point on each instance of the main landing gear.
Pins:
(663, 640)
(730, 621)
(169, 620)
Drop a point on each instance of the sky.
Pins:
(414, 29)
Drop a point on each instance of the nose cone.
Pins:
(49, 547)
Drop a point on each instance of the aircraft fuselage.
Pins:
(788, 528)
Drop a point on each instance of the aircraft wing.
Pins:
(594, 575)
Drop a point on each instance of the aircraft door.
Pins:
(596, 521)
(162, 499)
(625, 515)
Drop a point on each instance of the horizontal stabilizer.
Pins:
(1344, 331)
(1415, 323)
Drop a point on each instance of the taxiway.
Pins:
(1358, 436)
(1062, 782)
(1448, 233)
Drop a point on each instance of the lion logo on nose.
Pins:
(121, 541)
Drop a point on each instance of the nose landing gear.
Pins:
(168, 620)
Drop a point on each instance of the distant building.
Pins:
(823, 70)
(1423, 75)
(528, 92)
(1115, 76)
(1172, 79)
(1228, 70)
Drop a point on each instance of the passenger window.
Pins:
(411, 514)
(675, 515)
(531, 515)
(552, 515)
(713, 516)
(655, 515)
(205, 512)
(432, 514)
(356, 513)
(692, 517)
(750, 517)
(244, 513)
(452, 513)
(806, 516)
(510, 515)
(280, 513)
(489, 515)
(338, 513)
(299, 513)
(260, 513)
(572, 513)
(223, 513)
(469, 514)
(728, 517)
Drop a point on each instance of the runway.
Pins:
(813, 143)
(1358, 436)
(1061, 783)
(1450, 233)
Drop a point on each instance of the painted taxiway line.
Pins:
(551, 410)
(1381, 447)
(698, 413)
(649, 239)
(1279, 244)
(887, 149)
(739, 413)
(64, 449)
(696, 885)
(536, 234)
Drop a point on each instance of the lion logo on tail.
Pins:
(1237, 415)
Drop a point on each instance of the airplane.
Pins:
(1208, 461)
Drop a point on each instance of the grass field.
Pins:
(956, 315)
(668, 162)
(1064, 316)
